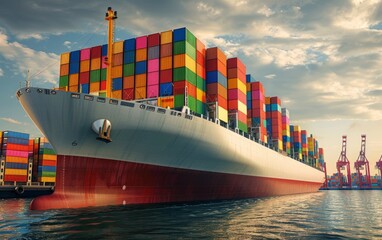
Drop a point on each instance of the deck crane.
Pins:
(343, 162)
(362, 161)
(379, 166)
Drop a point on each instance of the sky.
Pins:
(322, 58)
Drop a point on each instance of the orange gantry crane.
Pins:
(342, 163)
(363, 163)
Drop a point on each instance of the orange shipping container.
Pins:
(84, 66)
(65, 58)
(216, 53)
(94, 87)
(117, 59)
(95, 64)
(166, 63)
(116, 94)
(73, 88)
(128, 82)
(16, 159)
(141, 54)
(73, 79)
(48, 163)
(166, 102)
(118, 47)
(140, 92)
(64, 70)
(116, 71)
(140, 80)
(200, 47)
(166, 37)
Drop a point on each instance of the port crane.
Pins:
(379, 166)
(362, 163)
(342, 163)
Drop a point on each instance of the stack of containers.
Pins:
(184, 75)
(216, 82)
(153, 42)
(128, 69)
(95, 70)
(311, 146)
(274, 121)
(237, 90)
(84, 76)
(304, 145)
(36, 146)
(296, 132)
(47, 162)
(140, 67)
(165, 78)
(200, 77)
(64, 72)
(104, 64)
(256, 108)
(286, 130)
(116, 70)
(321, 160)
(15, 148)
(74, 69)
(316, 164)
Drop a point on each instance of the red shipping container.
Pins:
(165, 76)
(128, 82)
(200, 59)
(242, 117)
(275, 100)
(216, 65)
(233, 73)
(48, 163)
(96, 52)
(17, 147)
(257, 95)
(15, 178)
(128, 94)
(84, 77)
(217, 88)
(201, 71)
(179, 88)
(141, 42)
(236, 63)
(257, 104)
(257, 86)
(103, 85)
(153, 39)
(276, 115)
(166, 50)
(216, 53)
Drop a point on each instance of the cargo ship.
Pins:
(112, 150)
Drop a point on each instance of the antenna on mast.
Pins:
(28, 81)
(110, 16)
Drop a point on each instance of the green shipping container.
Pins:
(47, 174)
(184, 47)
(64, 81)
(103, 74)
(183, 73)
(48, 151)
(192, 103)
(200, 107)
(200, 83)
(190, 37)
(179, 101)
(128, 69)
(243, 126)
(95, 75)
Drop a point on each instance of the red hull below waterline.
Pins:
(90, 182)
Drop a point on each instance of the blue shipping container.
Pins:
(140, 67)
(117, 84)
(13, 165)
(166, 89)
(12, 134)
(216, 77)
(85, 88)
(74, 67)
(46, 169)
(74, 56)
(179, 34)
(46, 146)
(104, 50)
(129, 57)
(129, 45)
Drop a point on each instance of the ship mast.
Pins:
(110, 17)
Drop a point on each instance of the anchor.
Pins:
(102, 127)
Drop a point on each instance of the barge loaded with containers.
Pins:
(160, 119)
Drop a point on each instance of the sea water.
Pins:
(321, 215)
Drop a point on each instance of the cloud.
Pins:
(11, 120)
(1, 72)
(35, 36)
(270, 76)
(43, 66)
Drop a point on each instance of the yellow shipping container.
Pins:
(95, 64)
(242, 107)
(19, 172)
(222, 114)
(140, 92)
(118, 47)
(200, 95)
(141, 54)
(85, 66)
(73, 79)
(116, 94)
(235, 83)
(65, 58)
(166, 37)
(94, 87)
(47, 179)
(166, 63)
(140, 80)
(166, 102)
